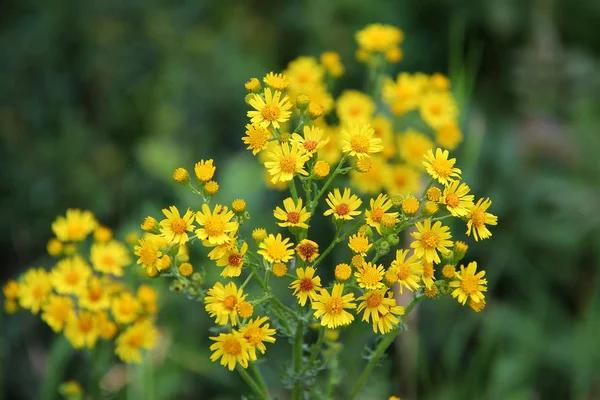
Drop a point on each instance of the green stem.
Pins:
(294, 191)
(381, 348)
(297, 361)
(314, 352)
(259, 378)
(315, 201)
(336, 240)
(246, 281)
(253, 385)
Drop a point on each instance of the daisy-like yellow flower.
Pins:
(456, 198)
(431, 239)
(332, 62)
(440, 168)
(478, 218)
(354, 107)
(110, 257)
(379, 37)
(204, 170)
(372, 180)
(216, 226)
(312, 139)
(149, 253)
(220, 250)
(369, 276)
(408, 271)
(125, 308)
(257, 138)
(292, 215)
(306, 286)
(272, 110)
(142, 335)
(438, 109)
(405, 93)
(75, 226)
(358, 140)
(412, 146)
(276, 81)
(344, 207)
(449, 136)
(57, 311)
(232, 348)
(331, 307)
(233, 261)
(96, 296)
(307, 250)
(256, 335)
(388, 321)
(275, 249)
(70, 276)
(379, 208)
(375, 303)
(286, 161)
(221, 302)
(82, 330)
(470, 284)
(428, 275)
(304, 73)
(359, 244)
(175, 227)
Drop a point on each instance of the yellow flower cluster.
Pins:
(83, 298)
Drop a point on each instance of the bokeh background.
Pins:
(101, 100)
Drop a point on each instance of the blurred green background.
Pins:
(101, 100)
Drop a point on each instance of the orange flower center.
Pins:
(436, 109)
(355, 111)
(469, 284)
(374, 300)
(403, 272)
(429, 240)
(108, 259)
(293, 217)
(148, 256)
(306, 284)
(85, 325)
(75, 230)
(253, 336)
(38, 292)
(178, 225)
(72, 277)
(334, 305)
(359, 144)
(428, 270)
(310, 145)
(287, 164)
(235, 260)
(136, 340)
(442, 167)
(232, 347)
(229, 302)
(306, 250)
(452, 200)
(95, 294)
(477, 217)
(214, 226)
(370, 277)
(270, 112)
(342, 209)
(377, 214)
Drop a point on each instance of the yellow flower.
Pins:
(252, 85)
(379, 208)
(186, 269)
(75, 226)
(279, 269)
(233, 261)
(102, 234)
(275, 249)
(470, 285)
(57, 311)
(359, 244)
(478, 218)
(96, 295)
(211, 188)
(244, 309)
(257, 138)
(344, 207)
(238, 206)
(232, 348)
(372, 180)
(440, 168)
(286, 161)
(305, 287)
(343, 272)
(379, 37)
(276, 81)
(321, 169)
(256, 335)
(204, 170)
(434, 194)
(449, 136)
(149, 224)
(216, 225)
(369, 276)
(430, 239)
(456, 199)
(332, 62)
(293, 215)
(125, 308)
(311, 140)
(71, 390)
(438, 109)
(383, 129)
(259, 234)
(307, 250)
(54, 247)
(331, 307)
(410, 205)
(412, 147)
(82, 330)
(148, 251)
(70, 276)
(428, 274)
(140, 335)
(448, 271)
(11, 289)
(110, 257)
(375, 303)
(405, 93)
(358, 140)
(272, 110)
(408, 271)
(180, 175)
(175, 227)
(221, 302)
(477, 307)
(304, 73)
(388, 321)
(354, 107)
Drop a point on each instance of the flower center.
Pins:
(136, 341)
(310, 145)
(232, 347)
(277, 251)
(72, 277)
(95, 294)
(253, 336)
(436, 109)
(288, 164)
(477, 217)
(442, 167)
(148, 256)
(303, 77)
(214, 226)
(108, 260)
(307, 250)
(306, 284)
(38, 292)
(429, 240)
(342, 209)
(85, 325)
(355, 111)
(74, 229)
(178, 226)
(403, 272)
(229, 302)
(377, 214)
(293, 217)
(374, 300)
(258, 138)
(469, 284)
(360, 144)
(452, 200)
(270, 112)
(370, 277)
(235, 260)
(334, 305)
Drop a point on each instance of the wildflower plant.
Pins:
(390, 145)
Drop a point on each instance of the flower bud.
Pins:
(302, 101)
(393, 240)
(180, 175)
(315, 110)
(196, 277)
(384, 248)
(253, 85)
